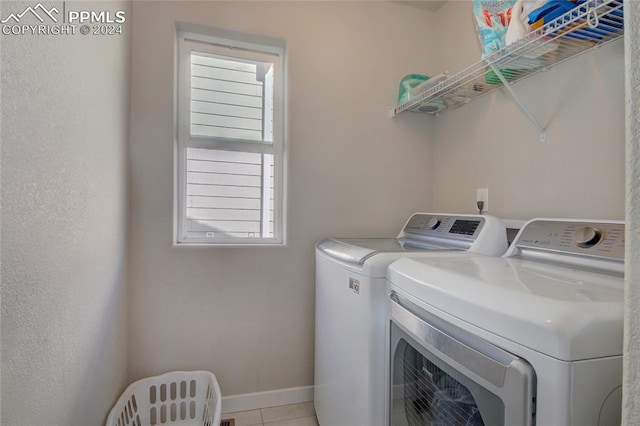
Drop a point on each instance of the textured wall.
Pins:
(64, 133)
(578, 172)
(631, 385)
(247, 314)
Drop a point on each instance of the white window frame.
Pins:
(274, 53)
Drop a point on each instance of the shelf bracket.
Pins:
(523, 108)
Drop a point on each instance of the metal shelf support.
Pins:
(523, 108)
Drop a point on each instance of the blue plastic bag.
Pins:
(552, 9)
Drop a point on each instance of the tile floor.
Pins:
(283, 415)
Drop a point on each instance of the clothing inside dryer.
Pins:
(432, 397)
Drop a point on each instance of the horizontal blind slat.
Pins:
(226, 122)
(226, 180)
(224, 156)
(221, 132)
(226, 98)
(226, 86)
(224, 74)
(226, 110)
(235, 215)
(223, 226)
(222, 63)
(222, 191)
(224, 202)
(224, 168)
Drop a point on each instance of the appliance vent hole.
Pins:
(228, 422)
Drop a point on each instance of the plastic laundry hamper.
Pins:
(186, 398)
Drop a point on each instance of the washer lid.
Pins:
(567, 313)
(358, 250)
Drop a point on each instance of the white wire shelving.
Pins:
(591, 24)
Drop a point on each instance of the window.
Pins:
(230, 141)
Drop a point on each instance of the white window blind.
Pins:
(228, 98)
(229, 193)
(230, 145)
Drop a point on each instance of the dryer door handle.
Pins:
(485, 360)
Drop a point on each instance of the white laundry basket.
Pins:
(186, 398)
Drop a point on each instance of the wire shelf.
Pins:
(589, 25)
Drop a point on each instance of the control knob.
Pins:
(433, 223)
(587, 237)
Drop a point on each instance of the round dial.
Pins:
(587, 236)
(433, 223)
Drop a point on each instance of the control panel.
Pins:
(602, 239)
(467, 227)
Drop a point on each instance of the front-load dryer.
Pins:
(534, 337)
(350, 347)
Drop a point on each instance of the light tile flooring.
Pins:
(283, 415)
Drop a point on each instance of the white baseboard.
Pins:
(254, 401)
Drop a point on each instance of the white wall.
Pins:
(247, 314)
(631, 384)
(64, 132)
(490, 143)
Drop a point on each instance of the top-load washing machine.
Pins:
(350, 347)
(534, 337)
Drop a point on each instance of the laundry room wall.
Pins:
(631, 384)
(489, 143)
(65, 124)
(247, 314)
